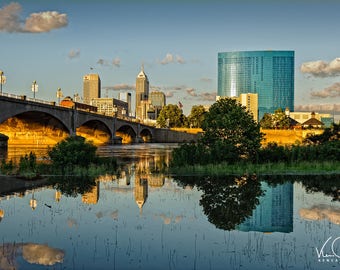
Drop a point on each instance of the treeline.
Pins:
(72, 156)
(232, 137)
(193, 154)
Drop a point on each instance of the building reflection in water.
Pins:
(141, 191)
(2, 214)
(92, 196)
(274, 212)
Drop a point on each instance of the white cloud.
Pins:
(41, 22)
(122, 86)
(320, 212)
(74, 54)
(114, 63)
(318, 108)
(322, 68)
(331, 91)
(191, 92)
(170, 58)
(45, 21)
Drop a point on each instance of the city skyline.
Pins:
(57, 42)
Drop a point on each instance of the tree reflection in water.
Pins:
(73, 185)
(227, 201)
(327, 184)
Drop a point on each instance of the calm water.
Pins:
(140, 219)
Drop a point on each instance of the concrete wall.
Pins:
(171, 136)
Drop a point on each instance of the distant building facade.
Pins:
(142, 95)
(110, 106)
(270, 74)
(250, 101)
(302, 117)
(157, 101)
(91, 87)
(126, 97)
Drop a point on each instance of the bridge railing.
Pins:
(23, 97)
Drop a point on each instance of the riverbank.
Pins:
(279, 168)
(12, 184)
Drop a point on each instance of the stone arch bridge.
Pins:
(44, 114)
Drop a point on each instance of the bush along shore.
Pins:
(231, 144)
(73, 156)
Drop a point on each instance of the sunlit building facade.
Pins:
(270, 74)
(91, 87)
(142, 95)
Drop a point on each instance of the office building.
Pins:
(110, 106)
(156, 103)
(91, 87)
(142, 95)
(126, 97)
(270, 74)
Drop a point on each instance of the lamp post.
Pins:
(34, 88)
(2, 80)
(59, 95)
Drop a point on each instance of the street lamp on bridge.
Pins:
(2, 80)
(34, 88)
(59, 95)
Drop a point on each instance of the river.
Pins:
(143, 219)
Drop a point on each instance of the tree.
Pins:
(230, 126)
(171, 116)
(71, 152)
(266, 121)
(196, 116)
(280, 119)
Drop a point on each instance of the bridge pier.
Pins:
(138, 139)
(116, 140)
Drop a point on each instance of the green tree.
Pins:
(280, 119)
(196, 116)
(266, 121)
(71, 152)
(230, 126)
(171, 116)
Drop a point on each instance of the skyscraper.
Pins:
(142, 94)
(270, 74)
(91, 87)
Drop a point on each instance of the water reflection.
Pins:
(274, 212)
(31, 252)
(143, 219)
(227, 201)
(72, 185)
(321, 212)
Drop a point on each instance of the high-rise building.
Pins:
(91, 87)
(270, 74)
(157, 102)
(142, 95)
(126, 97)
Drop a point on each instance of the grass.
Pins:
(280, 168)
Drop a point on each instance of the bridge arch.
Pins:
(33, 127)
(146, 135)
(127, 133)
(94, 130)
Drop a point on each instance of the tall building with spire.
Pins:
(91, 87)
(142, 95)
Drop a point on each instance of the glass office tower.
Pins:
(270, 74)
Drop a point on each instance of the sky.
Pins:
(57, 42)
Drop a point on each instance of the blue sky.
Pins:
(56, 42)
